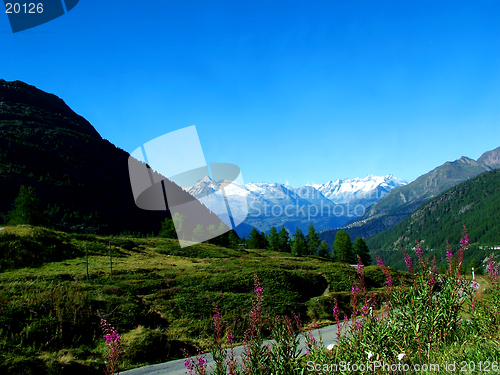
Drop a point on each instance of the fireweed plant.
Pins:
(113, 346)
(257, 358)
(420, 316)
(197, 365)
(486, 312)
(254, 354)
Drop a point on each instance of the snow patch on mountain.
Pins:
(369, 188)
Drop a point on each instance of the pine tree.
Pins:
(273, 240)
(478, 269)
(256, 240)
(233, 240)
(180, 225)
(218, 236)
(312, 241)
(27, 208)
(168, 229)
(199, 233)
(324, 250)
(361, 249)
(212, 232)
(264, 244)
(223, 228)
(342, 247)
(299, 243)
(284, 240)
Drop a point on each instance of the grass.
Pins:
(161, 300)
(160, 297)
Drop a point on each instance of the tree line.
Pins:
(300, 244)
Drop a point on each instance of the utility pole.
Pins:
(110, 264)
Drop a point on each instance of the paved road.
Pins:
(328, 336)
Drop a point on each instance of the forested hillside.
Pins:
(402, 201)
(475, 203)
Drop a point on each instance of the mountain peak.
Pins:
(465, 159)
(26, 103)
(491, 158)
(342, 191)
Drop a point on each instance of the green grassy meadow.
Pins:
(160, 297)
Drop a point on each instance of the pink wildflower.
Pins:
(449, 254)
(409, 263)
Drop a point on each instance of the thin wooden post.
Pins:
(110, 263)
(87, 260)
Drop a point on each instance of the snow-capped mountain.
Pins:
(370, 188)
(211, 194)
(202, 188)
(273, 204)
(275, 194)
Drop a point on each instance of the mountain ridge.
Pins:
(402, 201)
(345, 190)
(473, 203)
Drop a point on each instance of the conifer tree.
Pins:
(284, 240)
(253, 239)
(361, 249)
(168, 229)
(180, 225)
(199, 233)
(264, 244)
(312, 241)
(273, 240)
(223, 228)
(299, 243)
(342, 247)
(27, 208)
(324, 250)
(233, 240)
(478, 269)
(257, 240)
(212, 232)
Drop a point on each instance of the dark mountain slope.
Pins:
(81, 178)
(475, 203)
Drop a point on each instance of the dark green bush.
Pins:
(34, 250)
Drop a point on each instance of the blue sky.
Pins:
(304, 91)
